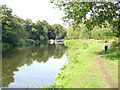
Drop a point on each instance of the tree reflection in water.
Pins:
(14, 58)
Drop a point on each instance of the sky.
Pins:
(35, 10)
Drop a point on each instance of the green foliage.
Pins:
(41, 38)
(21, 43)
(84, 33)
(52, 87)
(114, 45)
(12, 27)
(42, 31)
(59, 31)
(37, 42)
(78, 33)
(103, 32)
(99, 12)
(73, 33)
(16, 30)
(6, 45)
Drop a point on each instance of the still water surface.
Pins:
(32, 66)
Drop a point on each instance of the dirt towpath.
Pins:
(107, 76)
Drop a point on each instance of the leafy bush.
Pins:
(114, 45)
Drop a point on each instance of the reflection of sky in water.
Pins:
(38, 73)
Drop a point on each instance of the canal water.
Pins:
(32, 67)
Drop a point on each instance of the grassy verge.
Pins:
(83, 69)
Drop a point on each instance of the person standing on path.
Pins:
(106, 46)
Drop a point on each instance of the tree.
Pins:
(16, 30)
(40, 30)
(78, 33)
(28, 24)
(59, 31)
(100, 13)
(51, 33)
(13, 28)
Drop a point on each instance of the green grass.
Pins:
(83, 69)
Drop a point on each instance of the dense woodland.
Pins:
(17, 31)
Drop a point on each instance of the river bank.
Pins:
(84, 68)
(23, 43)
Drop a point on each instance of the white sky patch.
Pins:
(35, 10)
